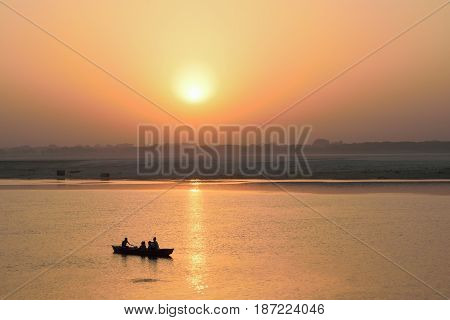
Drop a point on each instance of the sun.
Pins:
(193, 84)
(194, 93)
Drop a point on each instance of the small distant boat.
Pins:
(135, 251)
(60, 174)
(105, 176)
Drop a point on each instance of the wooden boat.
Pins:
(135, 251)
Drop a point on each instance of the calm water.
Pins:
(232, 241)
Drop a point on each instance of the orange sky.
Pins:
(253, 58)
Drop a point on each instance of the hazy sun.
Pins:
(193, 84)
(194, 93)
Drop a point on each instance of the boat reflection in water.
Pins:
(197, 236)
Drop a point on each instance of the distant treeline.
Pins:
(324, 146)
(129, 151)
(118, 151)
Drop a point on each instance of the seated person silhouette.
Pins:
(125, 243)
(155, 244)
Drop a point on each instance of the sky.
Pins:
(227, 62)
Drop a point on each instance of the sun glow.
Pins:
(194, 93)
(194, 85)
(195, 183)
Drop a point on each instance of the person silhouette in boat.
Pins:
(142, 247)
(125, 243)
(153, 245)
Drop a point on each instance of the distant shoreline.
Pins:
(319, 147)
(323, 167)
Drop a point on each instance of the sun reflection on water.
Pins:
(194, 183)
(197, 245)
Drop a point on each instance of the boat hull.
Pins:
(133, 251)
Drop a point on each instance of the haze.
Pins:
(229, 62)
